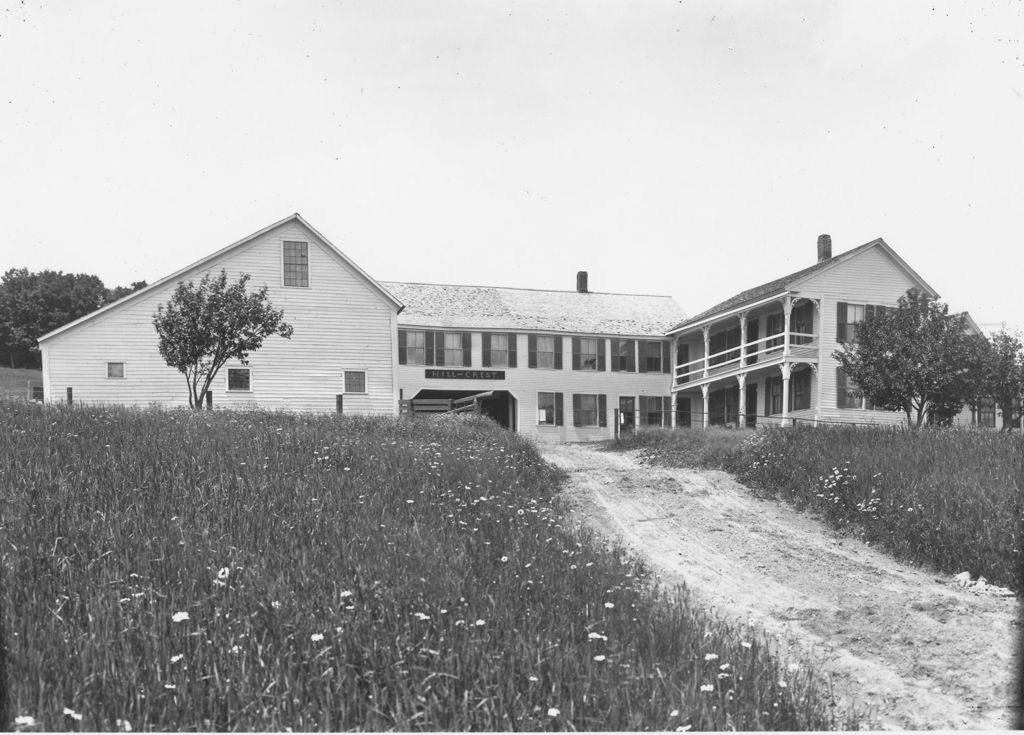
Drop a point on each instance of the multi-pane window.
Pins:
(546, 351)
(724, 346)
(585, 409)
(549, 409)
(848, 316)
(296, 263)
(415, 347)
(773, 395)
(774, 324)
(987, 413)
(801, 321)
(355, 381)
(496, 350)
(115, 369)
(650, 356)
(239, 379)
(453, 354)
(800, 390)
(588, 352)
(654, 410)
(848, 394)
(624, 355)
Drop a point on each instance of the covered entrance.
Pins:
(498, 405)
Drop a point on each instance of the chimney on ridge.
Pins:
(824, 247)
(581, 282)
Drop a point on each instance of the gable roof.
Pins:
(787, 283)
(498, 308)
(224, 251)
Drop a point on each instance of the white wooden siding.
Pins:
(340, 323)
(870, 277)
(524, 383)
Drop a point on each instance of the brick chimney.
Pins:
(581, 282)
(824, 247)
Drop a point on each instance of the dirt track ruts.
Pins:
(921, 651)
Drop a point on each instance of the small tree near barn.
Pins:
(915, 358)
(205, 325)
(1004, 376)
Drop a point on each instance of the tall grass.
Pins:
(221, 571)
(949, 498)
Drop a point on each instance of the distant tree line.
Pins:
(32, 304)
(921, 360)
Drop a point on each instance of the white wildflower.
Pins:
(179, 617)
(553, 712)
(316, 637)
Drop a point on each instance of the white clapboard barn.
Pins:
(343, 353)
(764, 356)
(556, 365)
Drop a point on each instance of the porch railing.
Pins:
(728, 360)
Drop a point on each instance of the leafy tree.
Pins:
(205, 325)
(32, 304)
(119, 292)
(916, 358)
(1004, 375)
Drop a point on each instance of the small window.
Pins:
(623, 355)
(115, 369)
(651, 356)
(296, 263)
(239, 379)
(987, 413)
(355, 381)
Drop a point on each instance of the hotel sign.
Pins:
(466, 374)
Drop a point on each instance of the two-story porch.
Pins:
(756, 362)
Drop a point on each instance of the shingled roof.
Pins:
(488, 307)
(780, 285)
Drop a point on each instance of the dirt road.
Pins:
(921, 651)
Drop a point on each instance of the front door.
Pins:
(627, 414)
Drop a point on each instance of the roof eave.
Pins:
(688, 326)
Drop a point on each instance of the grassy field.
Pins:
(949, 498)
(14, 382)
(221, 571)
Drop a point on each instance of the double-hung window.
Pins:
(589, 409)
(412, 347)
(453, 349)
(848, 394)
(549, 409)
(498, 349)
(800, 390)
(624, 355)
(425, 347)
(545, 351)
(849, 316)
(654, 357)
(295, 260)
(587, 353)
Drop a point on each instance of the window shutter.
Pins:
(512, 338)
(402, 352)
(575, 409)
(616, 366)
(666, 407)
(439, 348)
(641, 358)
(428, 348)
(840, 388)
(601, 365)
(641, 419)
(666, 357)
(558, 352)
(559, 409)
(602, 408)
(631, 355)
(467, 349)
(841, 321)
(575, 353)
(531, 343)
(869, 311)
(485, 349)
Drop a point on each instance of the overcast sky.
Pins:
(687, 148)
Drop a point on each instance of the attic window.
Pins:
(296, 263)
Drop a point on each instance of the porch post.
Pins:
(742, 378)
(787, 309)
(786, 369)
(706, 329)
(743, 340)
(675, 403)
(817, 393)
(704, 390)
